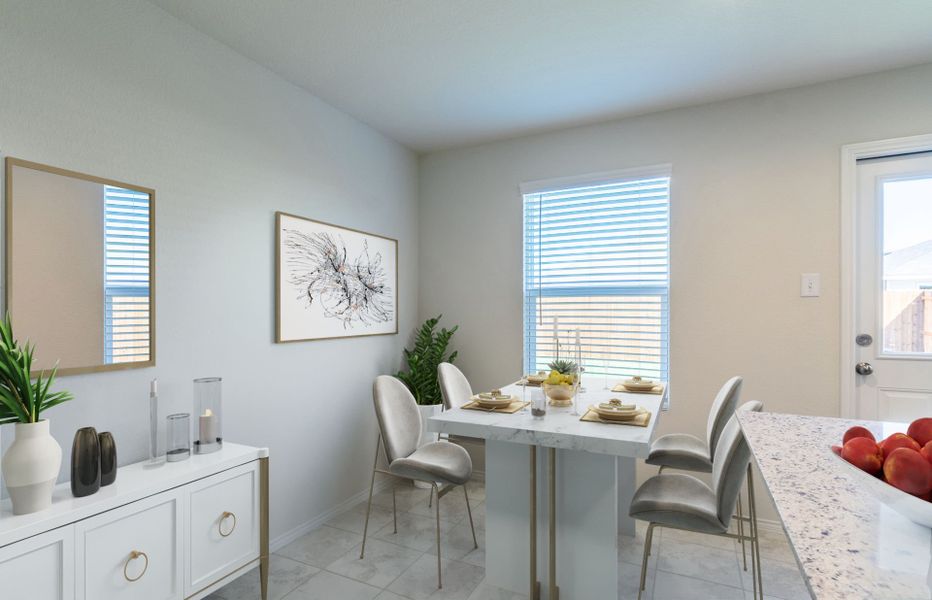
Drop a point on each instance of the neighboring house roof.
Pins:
(910, 263)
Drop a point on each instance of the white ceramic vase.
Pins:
(427, 411)
(30, 467)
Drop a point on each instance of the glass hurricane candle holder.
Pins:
(208, 407)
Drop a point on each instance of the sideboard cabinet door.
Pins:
(223, 528)
(132, 552)
(40, 567)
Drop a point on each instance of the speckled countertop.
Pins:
(848, 543)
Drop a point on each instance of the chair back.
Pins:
(722, 409)
(398, 416)
(454, 387)
(732, 457)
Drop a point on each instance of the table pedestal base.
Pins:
(586, 518)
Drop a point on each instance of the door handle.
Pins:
(863, 368)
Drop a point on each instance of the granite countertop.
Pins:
(560, 428)
(848, 543)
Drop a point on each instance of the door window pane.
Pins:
(907, 266)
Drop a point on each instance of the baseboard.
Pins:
(308, 526)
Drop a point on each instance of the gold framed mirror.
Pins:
(80, 268)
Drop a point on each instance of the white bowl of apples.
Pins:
(897, 469)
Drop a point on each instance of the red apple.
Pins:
(857, 431)
(898, 440)
(921, 430)
(863, 453)
(907, 470)
(836, 450)
(926, 452)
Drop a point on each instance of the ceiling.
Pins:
(434, 74)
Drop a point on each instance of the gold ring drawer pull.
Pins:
(133, 556)
(226, 515)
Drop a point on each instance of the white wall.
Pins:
(120, 89)
(755, 202)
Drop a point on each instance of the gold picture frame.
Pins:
(10, 232)
(317, 227)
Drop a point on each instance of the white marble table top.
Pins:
(560, 428)
(848, 543)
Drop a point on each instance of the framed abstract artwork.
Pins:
(332, 281)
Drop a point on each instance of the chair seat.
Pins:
(441, 462)
(680, 451)
(678, 500)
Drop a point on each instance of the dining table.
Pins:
(557, 490)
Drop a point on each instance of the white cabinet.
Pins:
(175, 532)
(133, 552)
(223, 521)
(40, 568)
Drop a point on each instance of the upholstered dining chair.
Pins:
(681, 501)
(455, 391)
(437, 463)
(454, 387)
(689, 453)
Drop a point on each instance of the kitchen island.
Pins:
(848, 543)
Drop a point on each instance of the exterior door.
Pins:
(893, 288)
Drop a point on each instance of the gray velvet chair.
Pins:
(681, 501)
(437, 463)
(689, 453)
(456, 391)
(454, 387)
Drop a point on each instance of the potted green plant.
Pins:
(430, 349)
(31, 464)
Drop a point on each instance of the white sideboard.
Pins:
(175, 531)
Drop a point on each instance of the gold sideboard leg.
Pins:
(264, 527)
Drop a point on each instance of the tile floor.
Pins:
(325, 565)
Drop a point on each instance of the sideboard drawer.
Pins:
(133, 552)
(223, 525)
(39, 568)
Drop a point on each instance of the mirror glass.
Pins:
(79, 265)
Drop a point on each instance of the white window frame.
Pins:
(594, 179)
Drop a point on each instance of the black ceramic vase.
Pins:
(85, 462)
(108, 458)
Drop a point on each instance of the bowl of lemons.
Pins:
(560, 385)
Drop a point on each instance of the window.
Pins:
(596, 260)
(126, 275)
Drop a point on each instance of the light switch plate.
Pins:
(810, 285)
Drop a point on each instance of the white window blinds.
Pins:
(126, 275)
(596, 259)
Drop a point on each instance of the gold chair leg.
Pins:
(439, 579)
(469, 512)
(365, 529)
(744, 553)
(755, 543)
(647, 543)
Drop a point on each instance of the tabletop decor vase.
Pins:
(85, 462)
(108, 458)
(30, 467)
